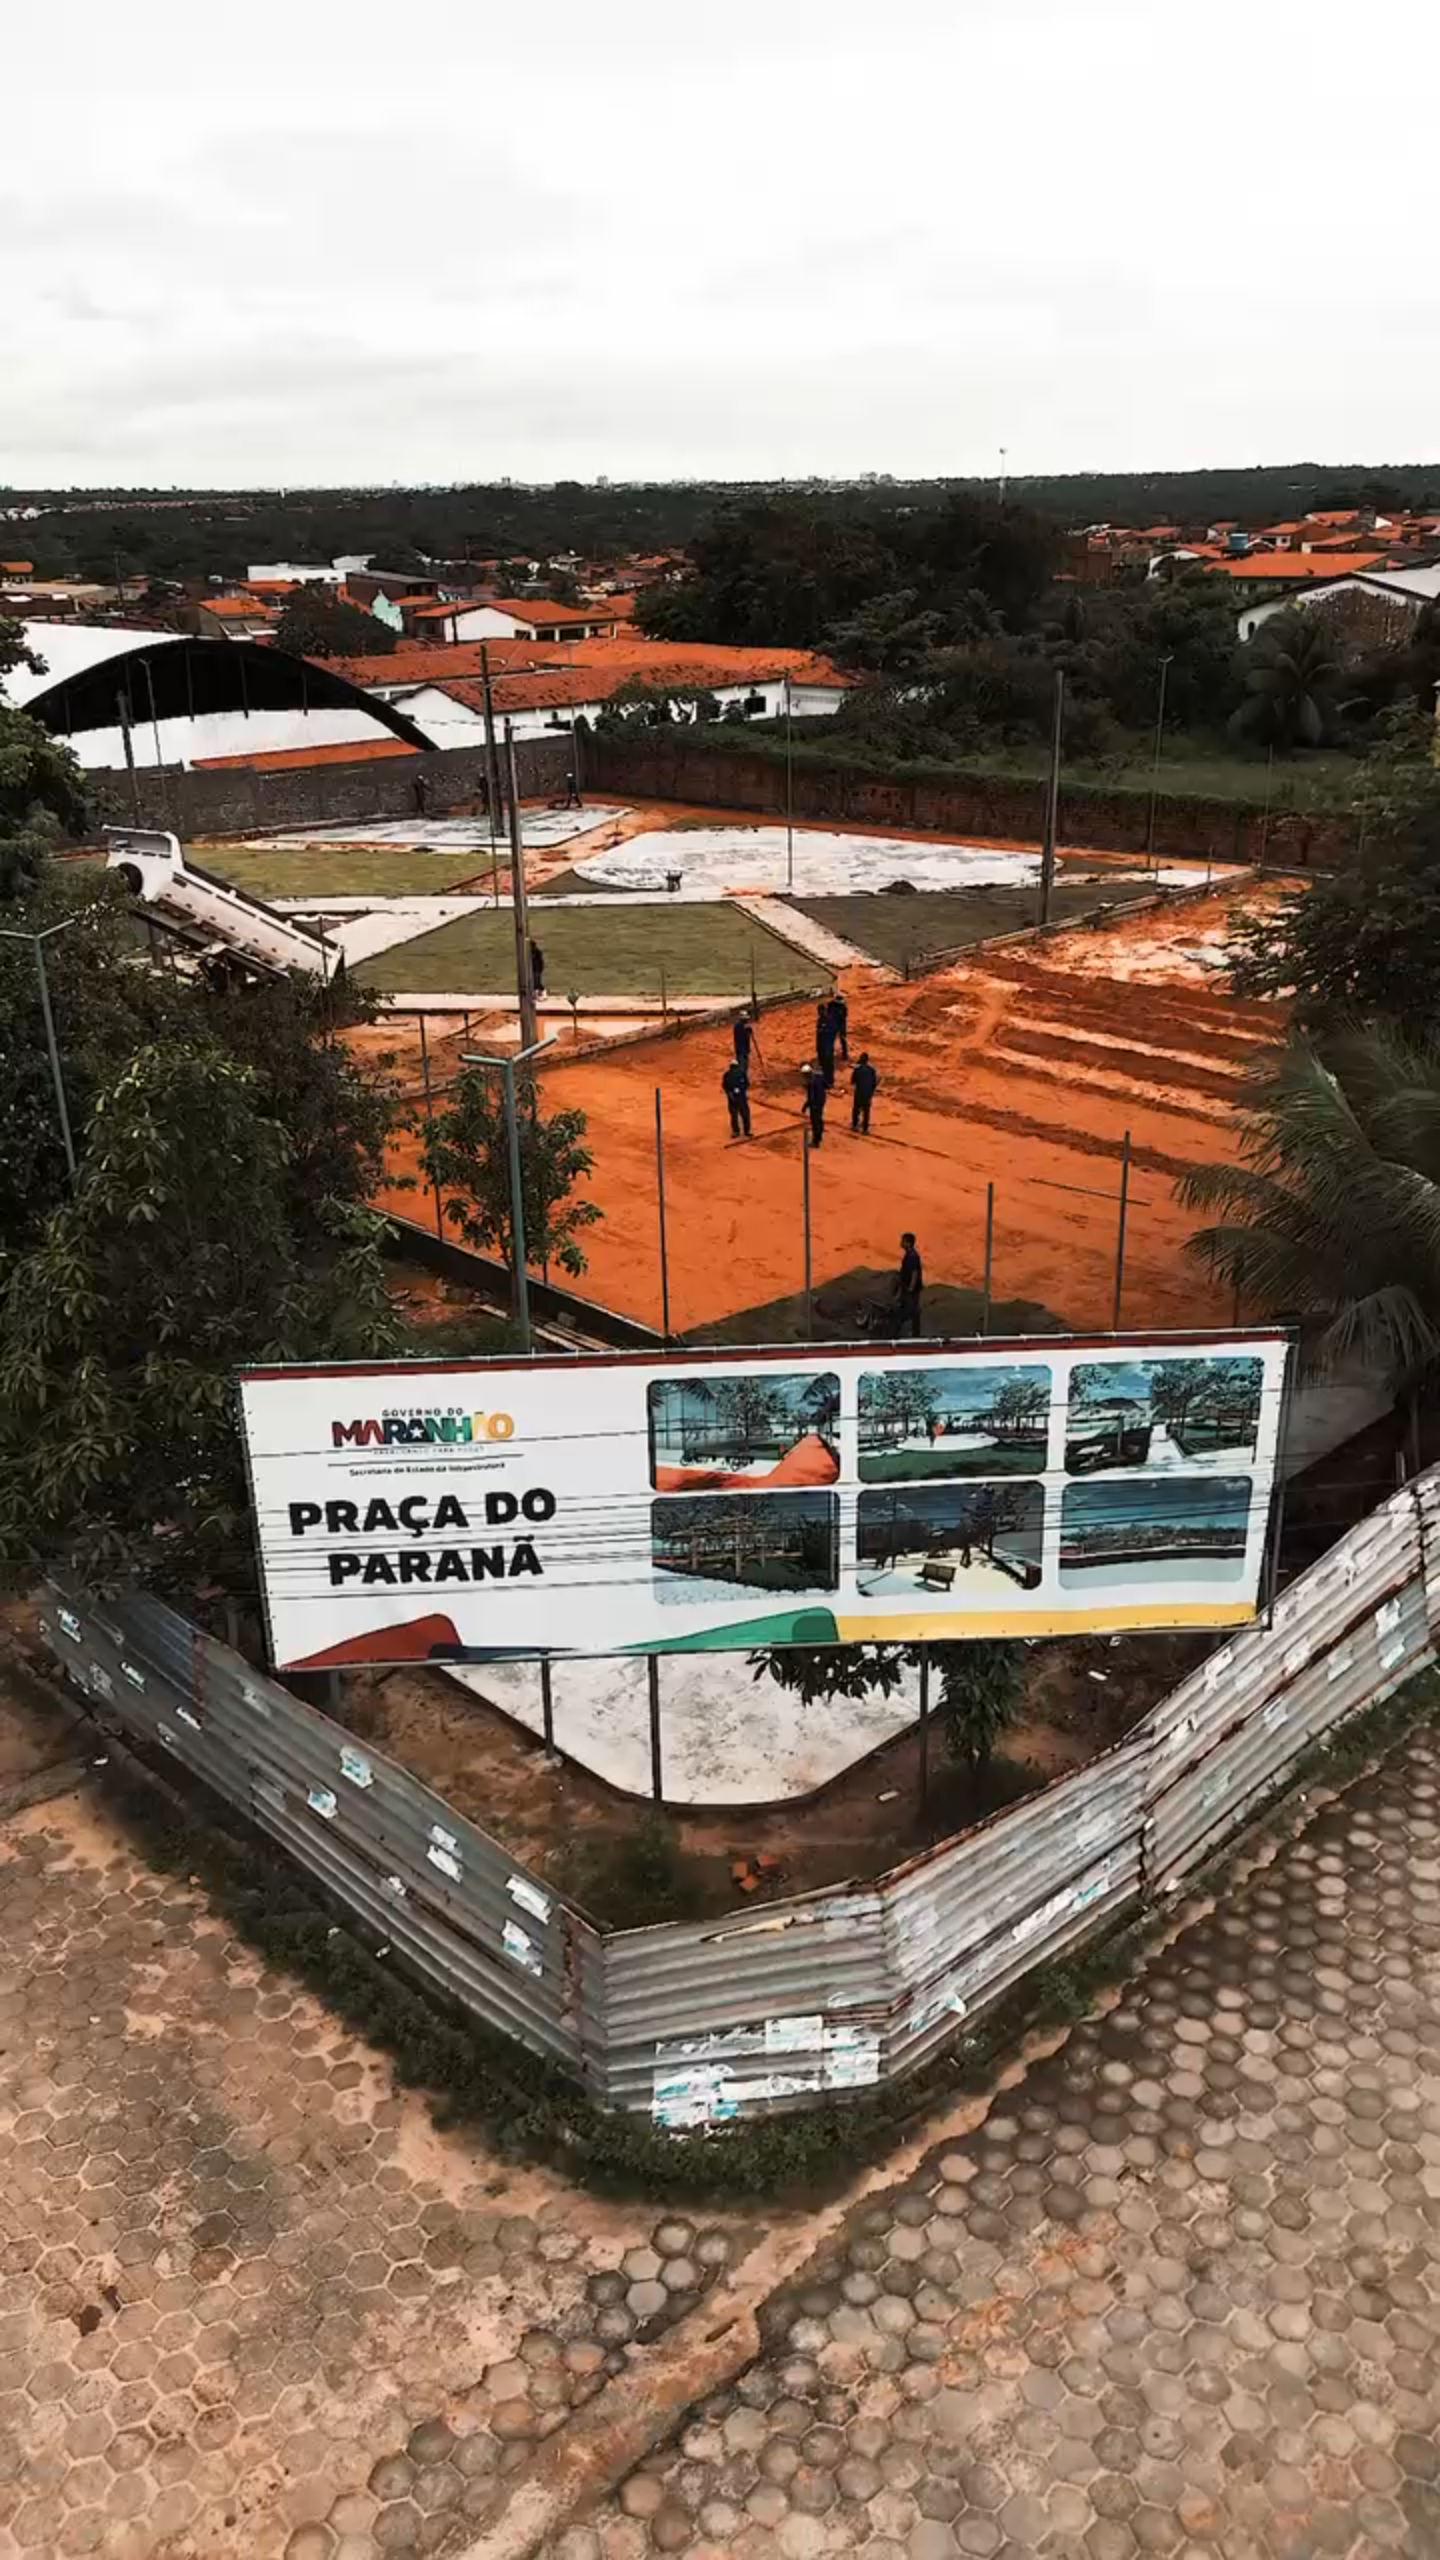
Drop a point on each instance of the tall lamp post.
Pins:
(1052, 801)
(1166, 663)
(38, 942)
(789, 794)
(519, 1283)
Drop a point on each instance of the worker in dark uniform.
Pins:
(746, 1038)
(863, 1080)
(816, 1090)
(909, 1287)
(735, 1085)
(825, 1043)
(840, 1017)
(537, 970)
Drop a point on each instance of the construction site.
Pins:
(1042, 1092)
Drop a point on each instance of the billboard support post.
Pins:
(924, 1727)
(660, 1199)
(805, 1216)
(1120, 1232)
(657, 1773)
(989, 1253)
(519, 1282)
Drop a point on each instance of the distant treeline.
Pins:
(176, 535)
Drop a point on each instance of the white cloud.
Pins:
(453, 242)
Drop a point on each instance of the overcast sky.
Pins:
(448, 241)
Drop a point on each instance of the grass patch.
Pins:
(635, 951)
(1190, 768)
(341, 871)
(902, 931)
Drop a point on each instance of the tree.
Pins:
(1291, 675)
(819, 1671)
(42, 791)
(315, 622)
(1366, 940)
(982, 1685)
(1333, 1216)
(173, 1263)
(467, 1156)
(1020, 1404)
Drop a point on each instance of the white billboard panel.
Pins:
(722, 1499)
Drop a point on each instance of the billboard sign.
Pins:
(463, 1510)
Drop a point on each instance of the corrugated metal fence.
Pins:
(696, 2023)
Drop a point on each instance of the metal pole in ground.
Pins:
(989, 1253)
(657, 1773)
(1052, 802)
(924, 1727)
(547, 1706)
(430, 1119)
(523, 986)
(789, 794)
(52, 1045)
(805, 1212)
(1120, 1232)
(1165, 665)
(660, 1198)
(519, 1283)
(492, 771)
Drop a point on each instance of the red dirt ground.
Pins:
(1023, 1067)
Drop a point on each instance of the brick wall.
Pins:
(658, 764)
(241, 799)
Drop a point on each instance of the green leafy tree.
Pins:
(1292, 682)
(1365, 941)
(42, 791)
(315, 622)
(816, 1672)
(982, 1686)
(173, 1263)
(1333, 1215)
(466, 1154)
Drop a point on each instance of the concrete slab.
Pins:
(726, 1737)
(541, 830)
(740, 861)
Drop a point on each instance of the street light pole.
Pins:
(52, 1045)
(1052, 802)
(524, 985)
(519, 1282)
(789, 794)
(1165, 665)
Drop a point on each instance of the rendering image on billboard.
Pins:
(469, 1510)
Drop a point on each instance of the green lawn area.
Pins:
(356, 871)
(1188, 769)
(600, 951)
(901, 930)
(908, 1466)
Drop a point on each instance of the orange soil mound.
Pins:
(809, 1462)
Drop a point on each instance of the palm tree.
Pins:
(1291, 675)
(1334, 1216)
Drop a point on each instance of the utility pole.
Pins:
(1052, 802)
(1165, 666)
(492, 770)
(789, 794)
(52, 1045)
(519, 1278)
(523, 987)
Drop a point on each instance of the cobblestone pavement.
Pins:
(250, 2301)
(1179, 2294)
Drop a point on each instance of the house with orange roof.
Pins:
(549, 699)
